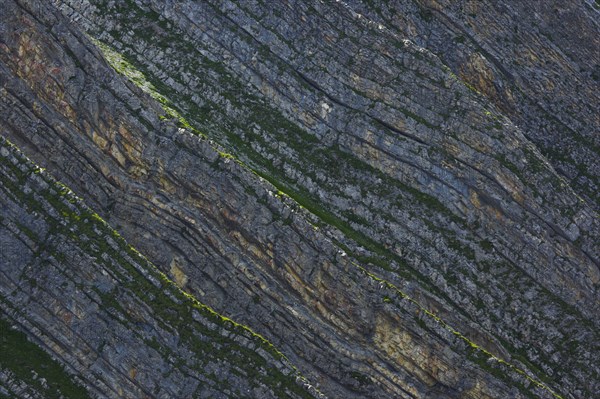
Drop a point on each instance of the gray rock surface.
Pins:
(111, 321)
(387, 191)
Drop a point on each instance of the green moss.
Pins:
(534, 162)
(123, 66)
(27, 231)
(509, 165)
(110, 301)
(25, 360)
(486, 245)
(425, 14)
(421, 323)
(362, 379)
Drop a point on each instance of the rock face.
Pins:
(392, 193)
(109, 316)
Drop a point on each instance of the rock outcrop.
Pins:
(391, 194)
(114, 325)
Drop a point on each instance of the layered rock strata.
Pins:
(390, 225)
(114, 326)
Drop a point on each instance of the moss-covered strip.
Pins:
(31, 365)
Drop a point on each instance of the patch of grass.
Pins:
(362, 379)
(509, 165)
(486, 245)
(123, 66)
(425, 14)
(29, 363)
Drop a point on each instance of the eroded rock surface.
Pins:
(367, 185)
(115, 326)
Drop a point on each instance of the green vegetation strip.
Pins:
(124, 67)
(31, 365)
